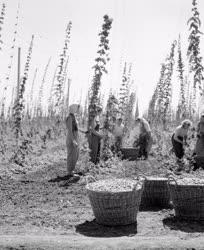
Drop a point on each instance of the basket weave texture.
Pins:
(188, 200)
(155, 193)
(115, 208)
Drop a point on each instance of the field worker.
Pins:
(199, 147)
(94, 138)
(118, 133)
(144, 142)
(72, 138)
(179, 138)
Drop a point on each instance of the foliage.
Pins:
(59, 87)
(50, 99)
(111, 112)
(160, 104)
(124, 90)
(193, 52)
(19, 103)
(11, 57)
(182, 108)
(128, 118)
(99, 68)
(136, 109)
(2, 22)
(39, 108)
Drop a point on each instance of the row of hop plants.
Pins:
(18, 112)
(19, 108)
(162, 97)
(190, 78)
(160, 105)
(9, 67)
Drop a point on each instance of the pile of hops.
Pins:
(114, 185)
(190, 181)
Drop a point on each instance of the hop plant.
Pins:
(99, 68)
(19, 105)
(181, 109)
(2, 22)
(193, 52)
(111, 111)
(160, 104)
(59, 86)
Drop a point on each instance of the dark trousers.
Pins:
(118, 143)
(143, 144)
(178, 148)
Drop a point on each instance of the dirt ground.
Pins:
(40, 209)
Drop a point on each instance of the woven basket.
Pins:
(155, 193)
(188, 199)
(129, 153)
(115, 208)
(200, 161)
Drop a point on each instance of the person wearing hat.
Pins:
(72, 139)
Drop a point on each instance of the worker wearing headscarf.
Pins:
(72, 138)
(179, 138)
(144, 142)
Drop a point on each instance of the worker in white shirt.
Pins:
(118, 132)
(145, 139)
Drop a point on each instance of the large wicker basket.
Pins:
(187, 198)
(129, 153)
(115, 208)
(155, 193)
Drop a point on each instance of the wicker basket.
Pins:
(115, 208)
(188, 199)
(199, 161)
(129, 153)
(155, 193)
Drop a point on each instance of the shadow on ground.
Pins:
(65, 180)
(61, 178)
(93, 229)
(145, 208)
(175, 223)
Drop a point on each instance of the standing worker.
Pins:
(72, 139)
(94, 138)
(144, 142)
(179, 139)
(118, 132)
(199, 147)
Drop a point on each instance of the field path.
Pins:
(42, 210)
(46, 242)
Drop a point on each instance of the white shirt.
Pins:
(146, 125)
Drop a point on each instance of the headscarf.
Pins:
(74, 108)
(144, 124)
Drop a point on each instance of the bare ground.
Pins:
(40, 209)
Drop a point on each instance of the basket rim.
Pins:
(156, 178)
(139, 187)
(186, 185)
(139, 184)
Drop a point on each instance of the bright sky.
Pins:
(142, 33)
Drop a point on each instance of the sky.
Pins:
(142, 33)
